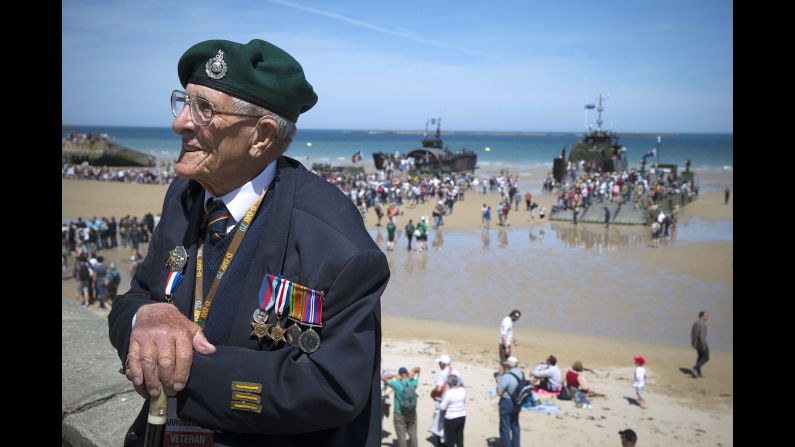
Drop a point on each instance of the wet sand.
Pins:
(590, 294)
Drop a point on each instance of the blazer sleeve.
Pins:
(300, 392)
(141, 291)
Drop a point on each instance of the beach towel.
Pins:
(543, 391)
(542, 408)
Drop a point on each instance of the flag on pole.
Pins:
(590, 106)
(356, 157)
(652, 153)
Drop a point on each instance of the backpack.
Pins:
(112, 279)
(408, 398)
(522, 394)
(83, 273)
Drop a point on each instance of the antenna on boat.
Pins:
(599, 109)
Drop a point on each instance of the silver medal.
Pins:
(309, 341)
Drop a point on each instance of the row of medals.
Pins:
(307, 340)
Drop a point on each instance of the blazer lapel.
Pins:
(271, 248)
(194, 208)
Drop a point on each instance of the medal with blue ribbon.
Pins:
(266, 296)
(177, 258)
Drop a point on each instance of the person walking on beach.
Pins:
(726, 193)
(390, 235)
(506, 336)
(483, 216)
(409, 233)
(698, 339)
(640, 380)
(510, 433)
(487, 214)
(404, 383)
(607, 218)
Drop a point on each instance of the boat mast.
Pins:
(599, 109)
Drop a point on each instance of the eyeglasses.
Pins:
(201, 110)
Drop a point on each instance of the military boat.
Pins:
(676, 189)
(598, 146)
(433, 156)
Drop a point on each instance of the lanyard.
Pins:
(201, 311)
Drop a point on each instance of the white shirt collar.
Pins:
(238, 201)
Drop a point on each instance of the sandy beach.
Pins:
(633, 300)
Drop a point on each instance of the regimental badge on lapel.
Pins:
(177, 259)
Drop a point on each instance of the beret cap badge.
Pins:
(216, 67)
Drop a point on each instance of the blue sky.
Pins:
(499, 65)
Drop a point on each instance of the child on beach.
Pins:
(640, 380)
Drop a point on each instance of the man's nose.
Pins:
(183, 123)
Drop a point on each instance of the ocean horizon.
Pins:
(517, 151)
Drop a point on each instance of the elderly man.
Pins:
(510, 433)
(257, 306)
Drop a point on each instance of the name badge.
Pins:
(181, 433)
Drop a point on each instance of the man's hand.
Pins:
(161, 349)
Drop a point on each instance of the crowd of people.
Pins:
(161, 175)
(641, 189)
(85, 240)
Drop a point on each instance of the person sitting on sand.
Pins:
(547, 375)
(581, 389)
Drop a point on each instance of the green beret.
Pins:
(258, 72)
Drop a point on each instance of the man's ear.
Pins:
(264, 138)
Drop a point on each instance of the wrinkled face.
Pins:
(214, 153)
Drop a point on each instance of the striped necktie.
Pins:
(217, 219)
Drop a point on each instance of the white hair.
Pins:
(286, 128)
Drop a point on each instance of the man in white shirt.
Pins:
(506, 336)
(547, 376)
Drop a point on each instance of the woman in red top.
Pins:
(577, 380)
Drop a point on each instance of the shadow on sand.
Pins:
(632, 401)
(688, 371)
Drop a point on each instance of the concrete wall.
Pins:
(97, 403)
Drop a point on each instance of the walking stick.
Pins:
(156, 420)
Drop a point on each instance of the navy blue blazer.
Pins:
(314, 237)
